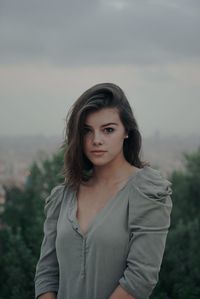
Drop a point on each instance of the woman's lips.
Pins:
(98, 152)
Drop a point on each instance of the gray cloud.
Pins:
(97, 32)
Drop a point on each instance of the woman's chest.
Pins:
(107, 226)
(103, 249)
(90, 203)
(88, 208)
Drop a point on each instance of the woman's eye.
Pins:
(86, 131)
(109, 130)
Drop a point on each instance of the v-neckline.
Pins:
(104, 208)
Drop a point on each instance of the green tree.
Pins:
(17, 272)
(186, 191)
(180, 272)
(21, 237)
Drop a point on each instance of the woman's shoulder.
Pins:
(150, 198)
(54, 199)
(150, 183)
(55, 192)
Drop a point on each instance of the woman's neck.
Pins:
(112, 172)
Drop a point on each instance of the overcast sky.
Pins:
(52, 51)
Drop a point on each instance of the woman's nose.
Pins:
(97, 139)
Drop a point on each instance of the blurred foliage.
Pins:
(180, 271)
(22, 230)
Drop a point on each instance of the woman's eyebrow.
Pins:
(104, 125)
(109, 124)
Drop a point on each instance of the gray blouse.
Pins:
(124, 243)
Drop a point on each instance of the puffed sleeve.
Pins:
(47, 272)
(149, 220)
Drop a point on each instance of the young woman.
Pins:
(106, 225)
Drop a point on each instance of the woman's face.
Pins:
(104, 136)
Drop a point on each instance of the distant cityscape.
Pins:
(18, 153)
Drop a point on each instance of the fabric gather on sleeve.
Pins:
(149, 221)
(47, 271)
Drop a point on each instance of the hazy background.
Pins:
(51, 51)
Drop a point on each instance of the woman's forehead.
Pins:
(102, 116)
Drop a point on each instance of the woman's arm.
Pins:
(47, 268)
(49, 295)
(149, 221)
(119, 293)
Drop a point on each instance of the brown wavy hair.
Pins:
(77, 168)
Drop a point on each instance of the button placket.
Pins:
(75, 225)
(83, 270)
